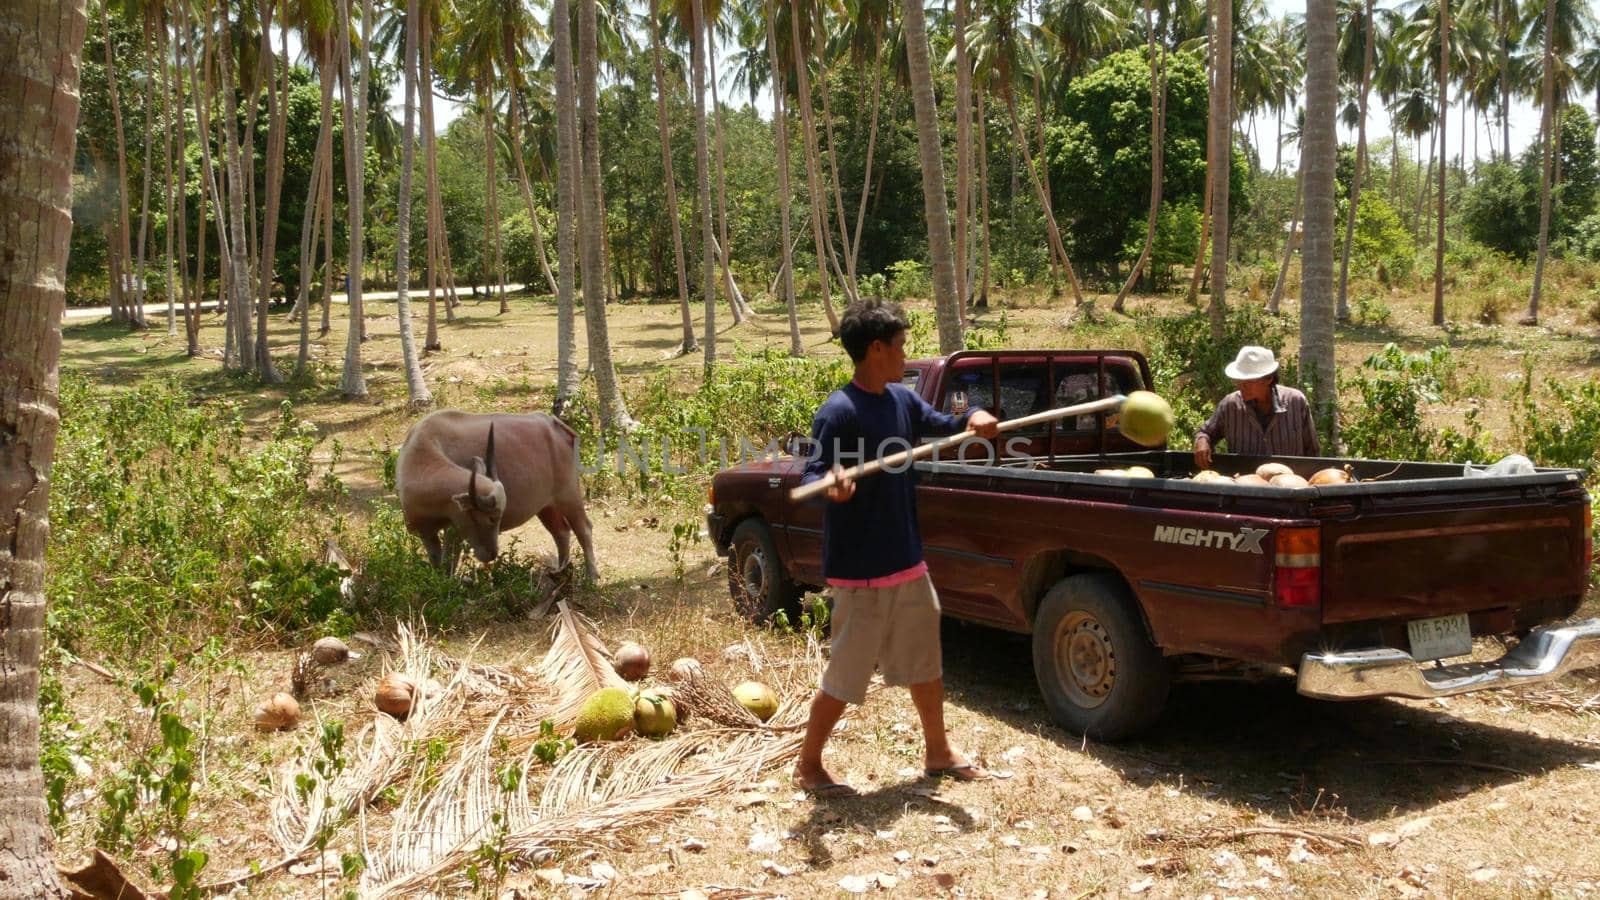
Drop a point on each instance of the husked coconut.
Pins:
(1140, 472)
(330, 651)
(684, 668)
(1250, 479)
(1208, 475)
(1120, 473)
(277, 712)
(1270, 470)
(1331, 475)
(1288, 480)
(1145, 419)
(395, 695)
(631, 661)
(757, 698)
(605, 716)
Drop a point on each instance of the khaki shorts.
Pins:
(895, 629)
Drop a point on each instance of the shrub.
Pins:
(1382, 242)
(1563, 429)
(1387, 420)
(909, 278)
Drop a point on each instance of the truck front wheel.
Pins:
(1098, 671)
(756, 579)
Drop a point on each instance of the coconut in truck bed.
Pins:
(1377, 587)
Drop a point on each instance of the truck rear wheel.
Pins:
(1097, 669)
(756, 579)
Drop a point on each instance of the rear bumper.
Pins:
(1546, 654)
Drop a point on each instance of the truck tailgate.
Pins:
(1473, 547)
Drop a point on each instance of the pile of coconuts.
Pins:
(652, 711)
(1276, 474)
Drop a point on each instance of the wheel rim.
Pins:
(1085, 660)
(753, 580)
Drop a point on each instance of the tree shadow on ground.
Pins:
(1264, 747)
(869, 812)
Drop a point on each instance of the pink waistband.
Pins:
(883, 581)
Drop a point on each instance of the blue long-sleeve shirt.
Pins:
(874, 533)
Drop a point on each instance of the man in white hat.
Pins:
(1262, 417)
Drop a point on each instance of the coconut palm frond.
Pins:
(310, 801)
(576, 666)
(734, 764)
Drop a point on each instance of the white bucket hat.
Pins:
(1251, 363)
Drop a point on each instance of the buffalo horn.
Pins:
(488, 455)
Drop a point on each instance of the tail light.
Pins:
(1298, 576)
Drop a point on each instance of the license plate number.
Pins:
(1440, 637)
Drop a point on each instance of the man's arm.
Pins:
(826, 432)
(929, 421)
(1208, 435)
(1313, 444)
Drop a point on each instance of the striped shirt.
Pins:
(1290, 431)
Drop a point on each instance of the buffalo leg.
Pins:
(430, 543)
(579, 521)
(556, 524)
(452, 549)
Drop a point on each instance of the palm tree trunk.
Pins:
(123, 251)
(963, 151)
(331, 64)
(430, 155)
(416, 387)
(1548, 128)
(664, 127)
(702, 163)
(1057, 248)
(1505, 73)
(514, 106)
(310, 230)
(39, 46)
(983, 198)
(140, 281)
(352, 383)
(1444, 157)
(277, 121)
(1205, 202)
(947, 311)
(568, 166)
(1318, 149)
(238, 262)
(872, 142)
(724, 250)
(497, 275)
(613, 411)
(191, 322)
(1221, 164)
(168, 186)
(1343, 312)
(1274, 302)
(814, 188)
(1157, 137)
(780, 121)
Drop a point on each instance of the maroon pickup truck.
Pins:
(1125, 584)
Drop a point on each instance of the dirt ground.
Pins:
(1240, 789)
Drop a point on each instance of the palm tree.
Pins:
(1548, 126)
(35, 233)
(1220, 161)
(1363, 39)
(416, 387)
(568, 184)
(799, 56)
(1157, 54)
(702, 164)
(780, 120)
(352, 383)
(1276, 299)
(613, 411)
(1444, 158)
(1317, 165)
(963, 152)
(665, 129)
(947, 312)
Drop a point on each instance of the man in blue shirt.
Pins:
(886, 613)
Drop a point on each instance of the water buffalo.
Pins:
(452, 478)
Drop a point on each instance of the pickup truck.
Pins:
(1126, 584)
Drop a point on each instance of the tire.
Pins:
(1100, 675)
(756, 580)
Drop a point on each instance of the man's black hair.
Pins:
(866, 321)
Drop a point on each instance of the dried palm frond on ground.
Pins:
(1565, 699)
(576, 666)
(377, 760)
(1211, 837)
(698, 694)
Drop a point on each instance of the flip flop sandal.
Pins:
(833, 790)
(964, 772)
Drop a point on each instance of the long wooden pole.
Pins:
(923, 451)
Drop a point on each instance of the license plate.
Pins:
(1439, 638)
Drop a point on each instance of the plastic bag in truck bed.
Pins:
(1515, 464)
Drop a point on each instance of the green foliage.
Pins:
(1382, 244)
(909, 279)
(987, 336)
(167, 522)
(551, 746)
(684, 535)
(1501, 209)
(1100, 152)
(1563, 429)
(1370, 310)
(1387, 421)
(1187, 363)
(152, 792)
(1176, 242)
